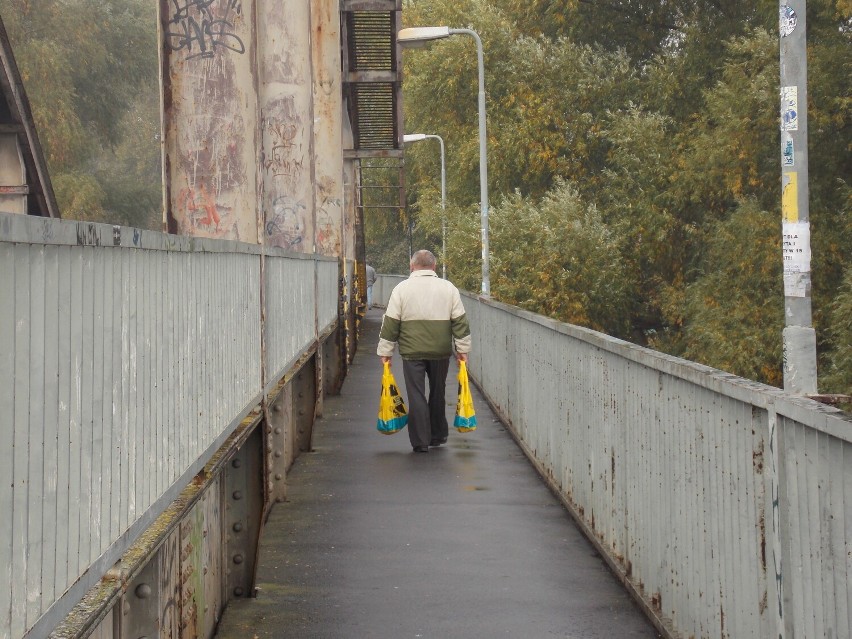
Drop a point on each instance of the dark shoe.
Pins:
(438, 442)
(421, 449)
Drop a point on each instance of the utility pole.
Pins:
(800, 361)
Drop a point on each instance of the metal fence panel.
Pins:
(673, 468)
(290, 310)
(327, 292)
(126, 358)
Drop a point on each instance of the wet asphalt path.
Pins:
(465, 541)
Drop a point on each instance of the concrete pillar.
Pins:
(328, 126)
(350, 194)
(210, 119)
(287, 159)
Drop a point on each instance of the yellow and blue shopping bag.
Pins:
(465, 420)
(393, 415)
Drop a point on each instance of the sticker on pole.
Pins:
(787, 20)
(797, 284)
(797, 247)
(789, 108)
(788, 150)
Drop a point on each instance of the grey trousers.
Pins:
(427, 418)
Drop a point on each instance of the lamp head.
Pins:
(413, 37)
(413, 137)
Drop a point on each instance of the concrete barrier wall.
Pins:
(724, 505)
(126, 359)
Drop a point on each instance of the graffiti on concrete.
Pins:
(282, 160)
(329, 219)
(201, 210)
(285, 226)
(199, 27)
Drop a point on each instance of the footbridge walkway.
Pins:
(375, 541)
(190, 449)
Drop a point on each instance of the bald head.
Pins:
(423, 260)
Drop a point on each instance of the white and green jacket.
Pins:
(425, 317)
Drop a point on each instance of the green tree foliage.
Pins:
(837, 371)
(87, 66)
(734, 309)
(663, 118)
(557, 257)
(635, 201)
(130, 170)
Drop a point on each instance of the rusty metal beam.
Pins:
(358, 154)
(372, 5)
(372, 76)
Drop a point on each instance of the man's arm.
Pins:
(389, 334)
(460, 327)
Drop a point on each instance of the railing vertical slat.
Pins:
(112, 394)
(844, 476)
(791, 513)
(752, 469)
(824, 585)
(136, 425)
(159, 414)
(87, 388)
(21, 442)
(190, 395)
(840, 537)
(97, 283)
(35, 475)
(76, 450)
(809, 530)
(122, 446)
(686, 549)
(702, 611)
(52, 531)
(730, 551)
(64, 466)
(7, 425)
(184, 364)
(143, 395)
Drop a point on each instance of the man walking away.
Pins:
(425, 317)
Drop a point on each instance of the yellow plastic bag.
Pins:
(393, 415)
(465, 420)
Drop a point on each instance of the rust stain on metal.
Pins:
(757, 457)
(612, 477)
(657, 602)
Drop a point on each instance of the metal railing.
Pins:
(127, 357)
(723, 504)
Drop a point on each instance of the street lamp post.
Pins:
(417, 36)
(417, 137)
